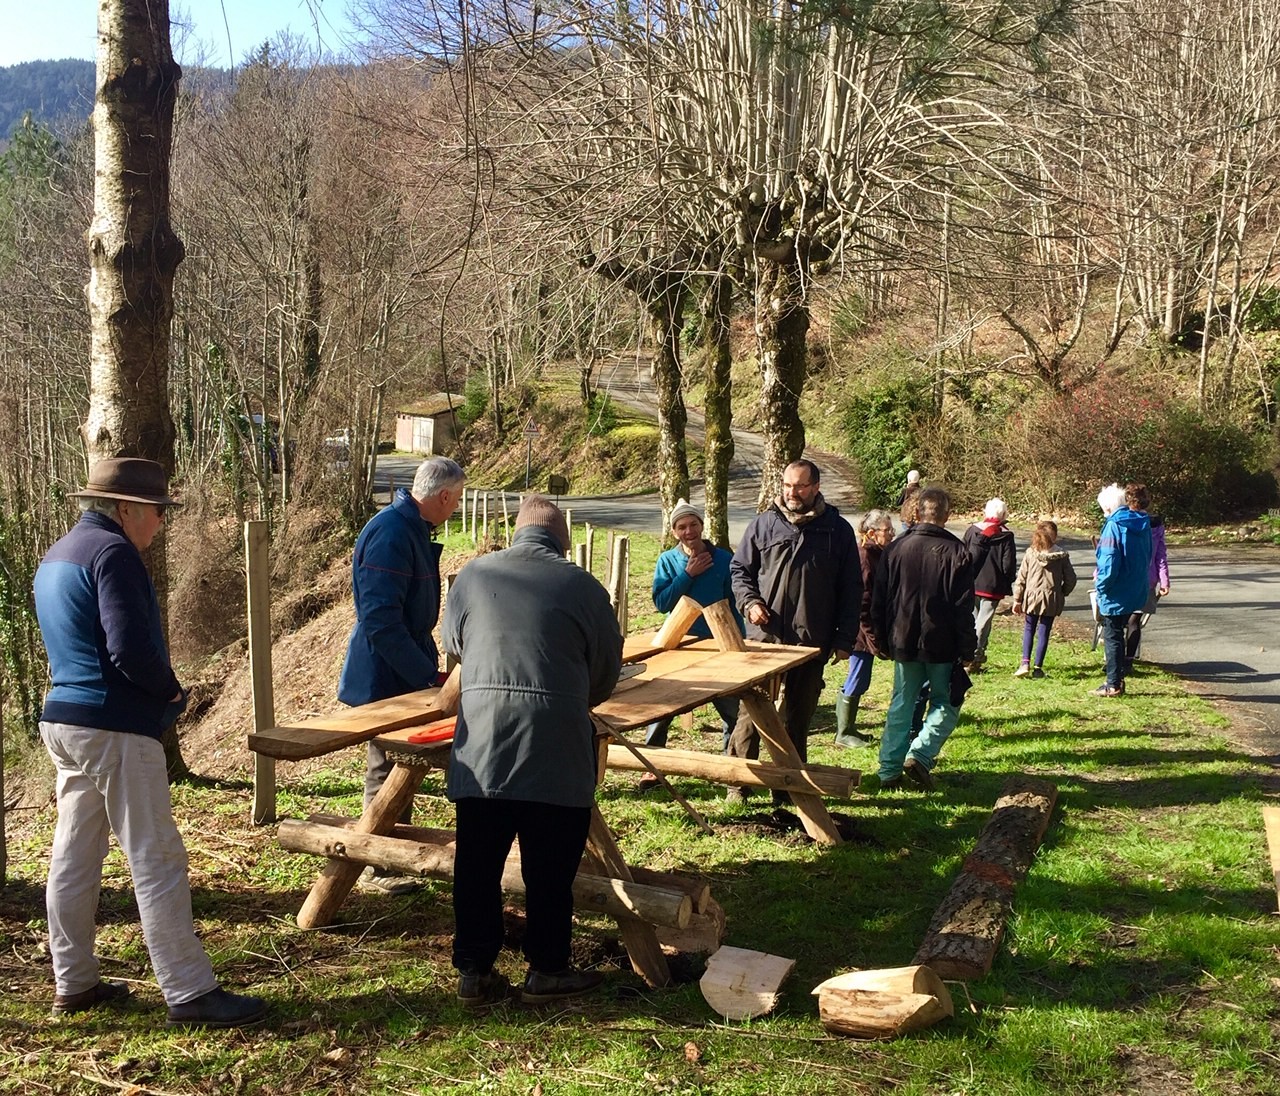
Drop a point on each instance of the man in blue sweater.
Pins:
(1123, 560)
(113, 695)
(395, 579)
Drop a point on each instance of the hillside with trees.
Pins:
(50, 91)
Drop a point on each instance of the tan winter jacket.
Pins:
(1044, 581)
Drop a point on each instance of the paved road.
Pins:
(1219, 628)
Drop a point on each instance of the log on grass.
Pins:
(740, 983)
(703, 935)
(967, 928)
(881, 1004)
(737, 771)
(697, 888)
(618, 898)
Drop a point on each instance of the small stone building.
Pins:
(427, 427)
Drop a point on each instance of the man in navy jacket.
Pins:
(113, 695)
(395, 578)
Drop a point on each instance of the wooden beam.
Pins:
(737, 771)
(1271, 822)
(597, 893)
(257, 563)
(677, 624)
(967, 928)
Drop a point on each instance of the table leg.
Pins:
(380, 816)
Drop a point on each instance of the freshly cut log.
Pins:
(1271, 821)
(968, 926)
(599, 893)
(880, 1004)
(697, 888)
(738, 771)
(740, 983)
(703, 935)
(677, 624)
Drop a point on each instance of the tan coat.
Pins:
(1044, 581)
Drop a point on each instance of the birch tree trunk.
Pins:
(715, 304)
(782, 322)
(133, 253)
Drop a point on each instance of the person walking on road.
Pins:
(395, 580)
(922, 616)
(1121, 576)
(113, 695)
(995, 563)
(1045, 580)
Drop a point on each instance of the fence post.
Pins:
(257, 543)
(618, 580)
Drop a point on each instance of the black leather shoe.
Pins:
(921, 777)
(218, 1009)
(478, 990)
(104, 993)
(540, 988)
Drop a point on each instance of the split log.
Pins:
(881, 1004)
(740, 984)
(737, 771)
(703, 935)
(1271, 821)
(598, 893)
(678, 622)
(967, 928)
(697, 888)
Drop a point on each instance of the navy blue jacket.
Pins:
(395, 577)
(100, 620)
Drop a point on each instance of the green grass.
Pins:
(1141, 955)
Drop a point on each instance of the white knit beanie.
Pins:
(683, 508)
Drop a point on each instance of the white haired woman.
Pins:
(995, 566)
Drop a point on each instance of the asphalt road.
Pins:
(1217, 629)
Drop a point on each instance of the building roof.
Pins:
(433, 405)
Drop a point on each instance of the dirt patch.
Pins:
(1150, 1074)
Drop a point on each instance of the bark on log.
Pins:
(740, 983)
(738, 771)
(598, 893)
(967, 928)
(881, 1004)
(703, 935)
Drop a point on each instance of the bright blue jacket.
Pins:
(671, 582)
(395, 578)
(1124, 556)
(100, 621)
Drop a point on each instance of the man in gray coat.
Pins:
(539, 647)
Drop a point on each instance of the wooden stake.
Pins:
(506, 520)
(590, 538)
(475, 507)
(1271, 822)
(257, 541)
(678, 623)
(580, 555)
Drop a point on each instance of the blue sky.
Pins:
(46, 30)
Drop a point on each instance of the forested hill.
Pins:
(50, 90)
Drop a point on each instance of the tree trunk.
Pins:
(782, 321)
(666, 317)
(715, 304)
(133, 253)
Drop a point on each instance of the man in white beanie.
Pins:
(539, 647)
(694, 568)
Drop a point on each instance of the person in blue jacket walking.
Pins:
(395, 579)
(1120, 580)
(698, 569)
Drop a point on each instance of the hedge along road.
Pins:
(1219, 628)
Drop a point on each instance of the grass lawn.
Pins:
(1143, 955)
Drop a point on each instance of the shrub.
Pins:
(884, 421)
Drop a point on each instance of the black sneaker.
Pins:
(921, 777)
(478, 990)
(540, 988)
(218, 1009)
(104, 993)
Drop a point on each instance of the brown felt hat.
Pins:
(541, 511)
(130, 479)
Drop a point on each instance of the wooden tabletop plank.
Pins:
(324, 734)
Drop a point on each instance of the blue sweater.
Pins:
(100, 621)
(671, 582)
(1124, 556)
(395, 578)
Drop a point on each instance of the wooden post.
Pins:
(618, 580)
(484, 527)
(463, 504)
(506, 520)
(568, 522)
(589, 534)
(257, 540)
(580, 555)
(475, 505)
(1271, 823)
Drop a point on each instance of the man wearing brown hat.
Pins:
(539, 646)
(113, 694)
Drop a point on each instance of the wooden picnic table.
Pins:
(678, 675)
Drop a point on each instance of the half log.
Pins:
(601, 894)
(738, 771)
(880, 1004)
(967, 928)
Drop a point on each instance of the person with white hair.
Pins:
(395, 580)
(995, 566)
(1120, 580)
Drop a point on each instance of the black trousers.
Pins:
(552, 839)
(802, 686)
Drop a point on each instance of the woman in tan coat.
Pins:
(1044, 580)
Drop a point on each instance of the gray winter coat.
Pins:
(539, 646)
(1044, 581)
